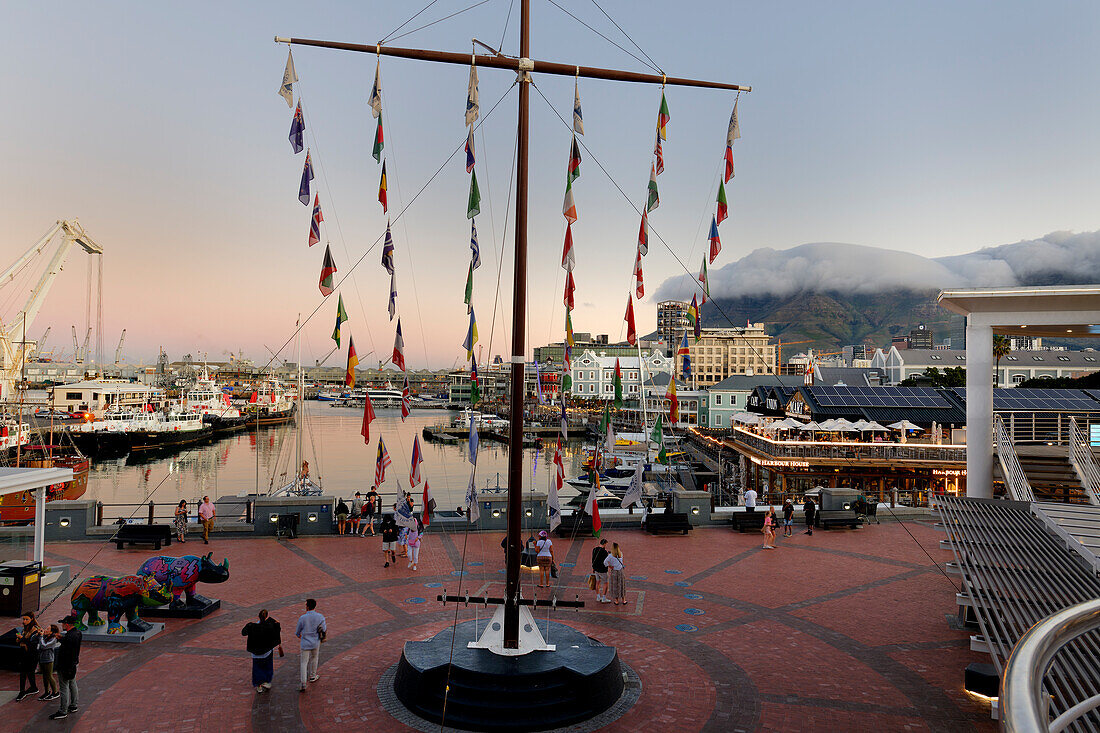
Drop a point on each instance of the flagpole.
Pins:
(641, 390)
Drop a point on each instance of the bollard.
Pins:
(151, 509)
(99, 514)
(248, 511)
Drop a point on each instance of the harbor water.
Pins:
(338, 458)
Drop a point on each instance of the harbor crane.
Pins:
(14, 349)
(118, 351)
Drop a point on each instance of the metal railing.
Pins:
(1080, 455)
(1053, 428)
(1025, 701)
(1015, 479)
(794, 449)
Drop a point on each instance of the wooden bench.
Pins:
(748, 521)
(838, 518)
(657, 522)
(155, 534)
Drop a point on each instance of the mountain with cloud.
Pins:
(836, 294)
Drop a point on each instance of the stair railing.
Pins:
(1015, 479)
(1080, 455)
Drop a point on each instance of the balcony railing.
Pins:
(847, 450)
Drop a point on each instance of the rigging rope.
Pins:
(601, 35)
(445, 17)
(654, 63)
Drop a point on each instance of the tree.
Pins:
(1002, 347)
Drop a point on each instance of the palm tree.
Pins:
(1002, 347)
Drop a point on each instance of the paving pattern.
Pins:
(841, 631)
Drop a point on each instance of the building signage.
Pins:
(778, 463)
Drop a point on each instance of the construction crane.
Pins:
(779, 348)
(76, 348)
(118, 351)
(12, 358)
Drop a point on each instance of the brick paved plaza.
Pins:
(841, 631)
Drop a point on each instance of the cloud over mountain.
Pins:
(1057, 258)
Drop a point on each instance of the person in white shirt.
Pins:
(545, 558)
(750, 500)
(311, 631)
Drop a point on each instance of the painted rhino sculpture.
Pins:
(118, 597)
(180, 574)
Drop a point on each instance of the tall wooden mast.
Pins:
(523, 66)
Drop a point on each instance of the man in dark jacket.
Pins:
(599, 553)
(264, 637)
(810, 510)
(65, 663)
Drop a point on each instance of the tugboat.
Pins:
(207, 400)
(270, 404)
(172, 430)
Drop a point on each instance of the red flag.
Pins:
(729, 163)
(414, 468)
(405, 409)
(353, 361)
(660, 155)
(252, 399)
(315, 223)
(399, 348)
(382, 462)
(643, 234)
(639, 288)
(568, 259)
(429, 504)
(328, 269)
(570, 286)
(368, 416)
(631, 333)
(673, 403)
(723, 205)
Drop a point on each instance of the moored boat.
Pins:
(19, 508)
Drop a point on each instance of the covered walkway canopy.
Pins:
(1062, 311)
(18, 480)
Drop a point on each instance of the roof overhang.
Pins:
(1064, 311)
(15, 480)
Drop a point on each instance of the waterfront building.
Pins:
(555, 353)
(97, 395)
(594, 373)
(732, 395)
(723, 352)
(826, 375)
(1017, 367)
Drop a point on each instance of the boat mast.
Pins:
(298, 443)
(523, 65)
(641, 393)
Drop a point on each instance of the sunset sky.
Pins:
(935, 128)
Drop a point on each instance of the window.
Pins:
(717, 420)
(74, 396)
(1013, 358)
(1017, 378)
(960, 358)
(1037, 358)
(1063, 358)
(717, 399)
(935, 357)
(1090, 358)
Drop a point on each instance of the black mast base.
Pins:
(533, 692)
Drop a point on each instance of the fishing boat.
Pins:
(20, 508)
(379, 398)
(174, 429)
(13, 434)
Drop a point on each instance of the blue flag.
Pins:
(307, 176)
(473, 440)
(475, 251)
(297, 129)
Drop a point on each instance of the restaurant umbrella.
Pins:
(906, 425)
(874, 427)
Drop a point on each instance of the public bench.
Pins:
(838, 518)
(155, 534)
(657, 522)
(748, 521)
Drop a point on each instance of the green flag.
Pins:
(657, 437)
(470, 288)
(379, 141)
(475, 386)
(654, 200)
(341, 316)
(473, 208)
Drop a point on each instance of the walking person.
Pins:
(388, 529)
(27, 637)
(788, 518)
(342, 513)
(65, 662)
(769, 529)
(599, 570)
(311, 631)
(356, 512)
(180, 521)
(206, 516)
(412, 543)
(263, 638)
(810, 510)
(47, 648)
(545, 558)
(371, 508)
(616, 580)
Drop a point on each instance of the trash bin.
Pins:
(20, 587)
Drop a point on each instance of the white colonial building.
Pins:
(594, 373)
(1018, 366)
